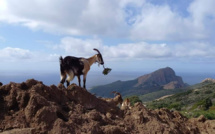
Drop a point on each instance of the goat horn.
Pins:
(114, 92)
(97, 50)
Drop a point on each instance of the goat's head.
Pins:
(99, 58)
(118, 97)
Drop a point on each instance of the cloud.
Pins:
(10, 54)
(135, 19)
(196, 50)
(84, 47)
(137, 51)
(141, 50)
(160, 22)
(202, 11)
(67, 16)
(79, 47)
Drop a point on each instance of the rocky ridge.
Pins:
(165, 77)
(31, 107)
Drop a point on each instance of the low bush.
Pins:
(134, 99)
(210, 114)
(208, 92)
(176, 106)
(196, 92)
(204, 104)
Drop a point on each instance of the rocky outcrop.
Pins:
(32, 107)
(163, 77)
(209, 80)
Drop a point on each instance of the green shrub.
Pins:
(162, 105)
(179, 99)
(196, 92)
(212, 108)
(208, 104)
(208, 92)
(134, 99)
(207, 114)
(204, 104)
(182, 94)
(176, 106)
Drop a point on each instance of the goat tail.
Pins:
(61, 60)
(61, 65)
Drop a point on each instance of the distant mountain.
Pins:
(164, 78)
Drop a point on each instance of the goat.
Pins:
(74, 66)
(126, 104)
(116, 100)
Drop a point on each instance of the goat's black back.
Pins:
(72, 63)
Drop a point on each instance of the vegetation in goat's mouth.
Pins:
(106, 71)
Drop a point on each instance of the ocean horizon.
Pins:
(93, 78)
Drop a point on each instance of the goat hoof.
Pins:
(60, 85)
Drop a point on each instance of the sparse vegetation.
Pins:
(208, 92)
(210, 114)
(155, 95)
(198, 100)
(204, 104)
(176, 106)
(196, 92)
(134, 99)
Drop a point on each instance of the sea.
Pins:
(93, 78)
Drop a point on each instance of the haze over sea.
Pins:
(94, 78)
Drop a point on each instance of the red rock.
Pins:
(32, 107)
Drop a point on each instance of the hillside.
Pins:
(199, 99)
(31, 107)
(164, 78)
(158, 94)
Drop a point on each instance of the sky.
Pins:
(132, 35)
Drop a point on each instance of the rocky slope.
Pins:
(164, 78)
(32, 107)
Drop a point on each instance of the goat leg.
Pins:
(84, 80)
(79, 80)
(67, 83)
(62, 81)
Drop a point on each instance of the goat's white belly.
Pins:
(70, 75)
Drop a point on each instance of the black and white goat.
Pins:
(73, 66)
